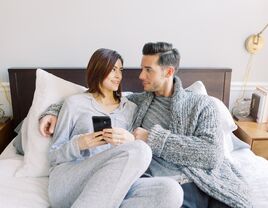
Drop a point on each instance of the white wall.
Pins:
(66, 32)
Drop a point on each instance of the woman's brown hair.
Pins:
(100, 65)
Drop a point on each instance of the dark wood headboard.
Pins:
(22, 83)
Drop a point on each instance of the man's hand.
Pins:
(116, 136)
(141, 133)
(47, 125)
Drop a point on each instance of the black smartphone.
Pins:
(101, 122)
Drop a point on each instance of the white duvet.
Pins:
(255, 171)
(20, 192)
(32, 192)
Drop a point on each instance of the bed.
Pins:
(32, 191)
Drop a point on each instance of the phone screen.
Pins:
(101, 122)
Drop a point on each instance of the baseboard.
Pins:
(237, 86)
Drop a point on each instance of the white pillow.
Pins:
(49, 89)
(226, 118)
(126, 93)
(197, 87)
(227, 124)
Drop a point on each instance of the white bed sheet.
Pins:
(255, 171)
(20, 192)
(32, 192)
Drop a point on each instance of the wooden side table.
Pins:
(255, 134)
(6, 134)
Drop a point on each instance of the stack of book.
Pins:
(259, 104)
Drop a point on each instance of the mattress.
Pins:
(32, 192)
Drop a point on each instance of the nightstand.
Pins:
(255, 134)
(5, 134)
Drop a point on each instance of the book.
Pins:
(254, 106)
(262, 116)
(265, 107)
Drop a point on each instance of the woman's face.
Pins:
(112, 81)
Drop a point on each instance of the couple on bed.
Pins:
(163, 149)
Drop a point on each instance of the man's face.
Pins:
(152, 74)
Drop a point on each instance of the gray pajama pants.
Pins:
(111, 179)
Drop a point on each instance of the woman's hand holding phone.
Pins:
(104, 134)
(116, 136)
(91, 140)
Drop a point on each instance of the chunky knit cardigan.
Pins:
(192, 144)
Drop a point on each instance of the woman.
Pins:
(103, 169)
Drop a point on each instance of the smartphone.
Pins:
(101, 122)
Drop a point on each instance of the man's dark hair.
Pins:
(168, 56)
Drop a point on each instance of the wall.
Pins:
(65, 33)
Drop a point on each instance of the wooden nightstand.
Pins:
(255, 134)
(5, 134)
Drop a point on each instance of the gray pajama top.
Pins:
(75, 118)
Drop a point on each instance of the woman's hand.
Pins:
(91, 140)
(116, 136)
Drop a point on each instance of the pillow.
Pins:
(226, 118)
(18, 144)
(126, 93)
(238, 143)
(197, 87)
(17, 140)
(49, 89)
(227, 124)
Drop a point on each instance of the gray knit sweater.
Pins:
(192, 145)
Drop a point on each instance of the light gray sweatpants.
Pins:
(111, 179)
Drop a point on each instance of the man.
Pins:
(182, 130)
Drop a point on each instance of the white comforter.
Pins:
(255, 171)
(32, 192)
(20, 192)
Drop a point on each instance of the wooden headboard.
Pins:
(22, 83)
